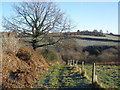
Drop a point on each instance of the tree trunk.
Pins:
(34, 41)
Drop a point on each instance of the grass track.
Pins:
(63, 77)
(59, 77)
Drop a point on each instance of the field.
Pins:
(90, 42)
(110, 37)
(63, 77)
(83, 42)
(70, 77)
(107, 75)
(96, 42)
(67, 77)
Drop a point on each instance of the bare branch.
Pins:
(38, 19)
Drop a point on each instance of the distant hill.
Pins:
(108, 38)
(90, 33)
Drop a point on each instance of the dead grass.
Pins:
(10, 43)
(21, 73)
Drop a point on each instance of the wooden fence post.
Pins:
(73, 61)
(68, 62)
(82, 65)
(94, 77)
(76, 62)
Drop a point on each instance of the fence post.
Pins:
(82, 65)
(73, 61)
(94, 77)
(76, 62)
(68, 62)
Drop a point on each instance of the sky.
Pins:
(84, 15)
(93, 15)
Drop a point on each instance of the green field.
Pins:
(69, 77)
(109, 37)
(107, 75)
(62, 77)
(90, 42)
(97, 42)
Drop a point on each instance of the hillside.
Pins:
(23, 67)
(109, 37)
(86, 40)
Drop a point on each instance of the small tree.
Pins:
(107, 32)
(78, 31)
(101, 31)
(95, 31)
(38, 19)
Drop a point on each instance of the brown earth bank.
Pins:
(22, 69)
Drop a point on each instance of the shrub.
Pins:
(109, 55)
(71, 50)
(49, 55)
(90, 59)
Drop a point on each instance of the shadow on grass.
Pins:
(79, 80)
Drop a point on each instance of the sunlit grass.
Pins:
(62, 77)
(107, 75)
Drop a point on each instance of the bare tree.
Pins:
(101, 31)
(38, 19)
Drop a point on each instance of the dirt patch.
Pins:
(21, 70)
